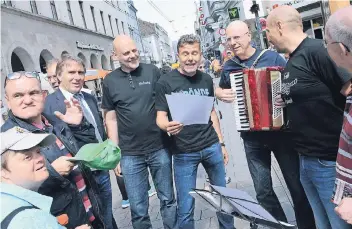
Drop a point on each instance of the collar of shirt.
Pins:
(68, 95)
(34, 198)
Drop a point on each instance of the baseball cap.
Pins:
(20, 139)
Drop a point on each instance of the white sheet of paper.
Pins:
(190, 109)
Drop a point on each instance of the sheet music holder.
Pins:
(238, 204)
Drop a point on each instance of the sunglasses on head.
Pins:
(17, 75)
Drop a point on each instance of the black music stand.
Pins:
(238, 204)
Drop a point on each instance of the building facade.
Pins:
(33, 32)
(214, 16)
(158, 39)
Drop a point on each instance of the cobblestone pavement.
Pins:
(237, 170)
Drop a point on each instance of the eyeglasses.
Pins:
(131, 81)
(17, 75)
(337, 42)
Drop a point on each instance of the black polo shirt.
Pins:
(192, 138)
(134, 103)
(311, 87)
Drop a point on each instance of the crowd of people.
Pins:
(42, 188)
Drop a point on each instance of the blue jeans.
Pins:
(258, 153)
(135, 174)
(318, 180)
(102, 178)
(185, 169)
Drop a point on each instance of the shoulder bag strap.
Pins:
(7, 220)
(256, 60)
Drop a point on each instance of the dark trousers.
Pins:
(122, 187)
(258, 152)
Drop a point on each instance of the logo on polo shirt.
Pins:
(144, 83)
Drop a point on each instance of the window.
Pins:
(95, 23)
(53, 9)
(123, 27)
(69, 12)
(82, 13)
(112, 31)
(117, 26)
(102, 20)
(34, 7)
(7, 2)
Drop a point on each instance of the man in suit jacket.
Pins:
(70, 72)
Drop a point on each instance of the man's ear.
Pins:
(7, 101)
(5, 174)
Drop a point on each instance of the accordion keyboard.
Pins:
(239, 106)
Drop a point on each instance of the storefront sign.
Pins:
(201, 16)
(89, 46)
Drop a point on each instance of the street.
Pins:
(236, 169)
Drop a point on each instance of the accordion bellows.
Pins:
(254, 106)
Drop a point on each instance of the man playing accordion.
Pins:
(258, 145)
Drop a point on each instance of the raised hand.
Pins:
(74, 114)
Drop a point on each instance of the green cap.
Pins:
(101, 156)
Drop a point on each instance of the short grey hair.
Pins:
(339, 31)
(51, 62)
(62, 64)
(187, 39)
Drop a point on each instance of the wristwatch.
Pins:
(222, 143)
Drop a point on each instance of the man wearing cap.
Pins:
(72, 187)
(23, 170)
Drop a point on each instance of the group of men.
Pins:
(138, 119)
(313, 92)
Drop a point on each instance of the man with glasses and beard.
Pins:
(72, 186)
(129, 107)
(259, 145)
(312, 89)
(194, 144)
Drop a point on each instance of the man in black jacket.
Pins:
(70, 72)
(73, 188)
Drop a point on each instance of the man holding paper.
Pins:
(197, 141)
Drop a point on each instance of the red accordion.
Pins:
(254, 106)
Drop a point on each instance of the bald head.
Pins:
(237, 25)
(285, 14)
(122, 40)
(126, 52)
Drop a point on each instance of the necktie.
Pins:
(88, 115)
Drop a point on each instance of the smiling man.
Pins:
(70, 71)
(195, 144)
(129, 107)
(258, 146)
(72, 187)
(312, 86)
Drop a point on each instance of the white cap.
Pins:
(20, 139)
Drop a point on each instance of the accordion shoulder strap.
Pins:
(260, 55)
